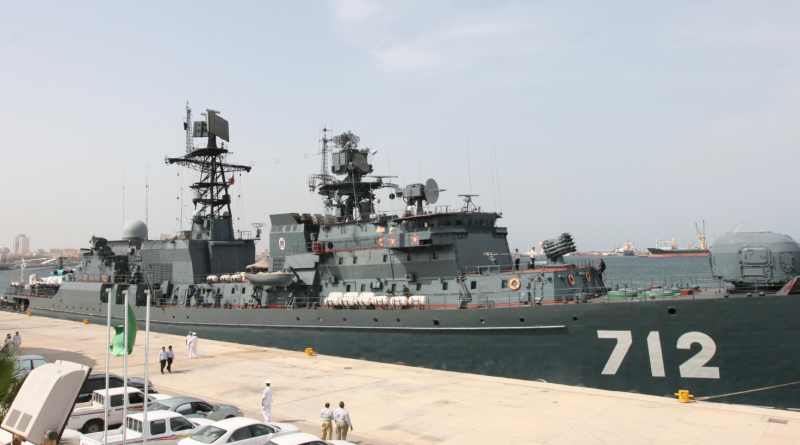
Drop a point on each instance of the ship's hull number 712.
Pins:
(694, 368)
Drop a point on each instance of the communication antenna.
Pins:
(147, 196)
(123, 196)
(497, 175)
(469, 167)
(491, 170)
(187, 127)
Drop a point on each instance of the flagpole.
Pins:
(108, 353)
(125, 373)
(145, 430)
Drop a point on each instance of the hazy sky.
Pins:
(614, 121)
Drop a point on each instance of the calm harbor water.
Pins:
(619, 269)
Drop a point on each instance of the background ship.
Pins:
(434, 286)
(673, 251)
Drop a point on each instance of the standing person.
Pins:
(601, 268)
(327, 426)
(516, 259)
(266, 402)
(17, 340)
(193, 344)
(7, 343)
(189, 346)
(342, 418)
(533, 257)
(170, 357)
(162, 358)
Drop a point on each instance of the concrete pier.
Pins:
(392, 404)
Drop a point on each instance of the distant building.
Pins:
(75, 253)
(164, 236)
(5, 251)
(20, 244)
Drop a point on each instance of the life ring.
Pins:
(514, 283)
(105, 278)
(571, 280)
(86, 278)
(588, 276)
(380, 241)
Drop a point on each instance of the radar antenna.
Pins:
(352, 197)
(211, 190)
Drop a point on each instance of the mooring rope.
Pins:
(698, 399)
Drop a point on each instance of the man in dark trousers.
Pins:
(170, 357)
(162, 358)
(601, 268)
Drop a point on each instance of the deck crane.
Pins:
(738, 227)
(701, 235)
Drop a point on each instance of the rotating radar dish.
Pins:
(432, 191)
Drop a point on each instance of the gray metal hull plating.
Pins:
(571, 344)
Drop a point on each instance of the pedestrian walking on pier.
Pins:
(266, 402)
(189, 346)
(327, 422)
(193, 346)
(162, 358)
(342, 418)
(17, 340)
(170, 357)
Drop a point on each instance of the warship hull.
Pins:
(710, 346)
(661, 253)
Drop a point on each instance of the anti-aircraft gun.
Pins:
(556, 248)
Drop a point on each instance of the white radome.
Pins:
(134, 229)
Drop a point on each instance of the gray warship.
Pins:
(431, 286)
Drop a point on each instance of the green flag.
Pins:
(118, 343)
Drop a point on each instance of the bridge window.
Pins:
(504, 284)
(473, 285)
(233, 289)
(445, 285)
(363, 287)
(433, 255)
(341, 261)
(385, 258)
(394, 287)
(408, 258)
(355, 259)
(419, 286)
(242, 290)
(348, 288)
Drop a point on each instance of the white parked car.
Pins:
(88, 417)
(240, 431)
(166, 428)
(306, 439)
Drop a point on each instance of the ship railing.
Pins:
(41, 292)
(525, 266)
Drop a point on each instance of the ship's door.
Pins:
(754, 261)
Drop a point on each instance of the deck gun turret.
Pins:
(556, 248)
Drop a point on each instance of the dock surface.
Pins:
(393, 404)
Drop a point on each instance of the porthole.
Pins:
(672, 311)
(436, 322)
(344, 319)
(522, 320)
(297, 318)
(398, 320)
(574, 318)
(319, 318)
(483, 321)
(375, 320)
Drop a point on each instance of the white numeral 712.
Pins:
(692, 368)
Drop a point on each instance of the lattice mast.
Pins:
(210, 192)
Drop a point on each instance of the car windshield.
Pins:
(157, 407)
(208, 434)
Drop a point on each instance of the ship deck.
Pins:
(394, 404)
